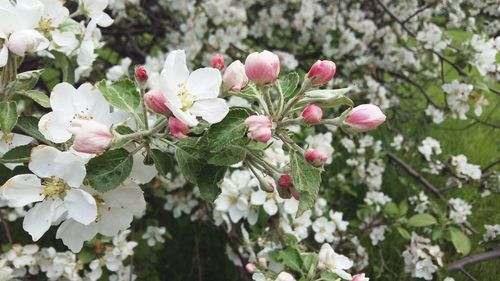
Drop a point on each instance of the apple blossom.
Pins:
(90, 136)
(250, 267)
(156, 101)
(55, 186)
(285, 181)
(10, 141)
(284, 276)
(26, 40)
(364, 117)
(177, 128)
(262, 68)
(329, 260)
(141, 74)
(321, 72)
(70, 104)
(259, 128)
(191, 95)
(316, 157)
(217, 62)
(234, 77)
(312, 114)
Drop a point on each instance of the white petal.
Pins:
(46, 161)
(211, 110)
(4, 55)
(61, 98)
(270, 207)
(54, 126)
(175, 72)
(39, 218)
(258, 197)
(128, 196)
(185, 117)
(204, 83)
(113, 220)
(342, 274)
(22, 190)
(81, 206)
(73, 234)
(142, 173)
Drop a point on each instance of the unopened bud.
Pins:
(90, 136)
(321, 72)
(217, 62)
(312, 114)
(177, 128)
(315, 157)
(155, 100)
(141, 73)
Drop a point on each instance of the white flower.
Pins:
(378, 234)
(266, 200)
(323, 229)
(429, 147)
(459, 210)
(154, 235)
(95, 10)
(340, 224)
(118, 71)
(492, 231)
(55, 185)
(191, 95)
(116, 210)
(235, 193)
(329, 260)
(431, 37)
(68, 103)
(21, 256)
(465, 170)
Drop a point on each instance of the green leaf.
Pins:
(391, 209)
(163, 161)
(29, 125)
(329, 98)
(8, 115)
(189, 159)
(290, 257)
(208, 181)
(306, 179)
(228, 130)
(460, 241)
(108, 170)
(121, 94)
(18, 154)
(26, 80)
(310, 262)
(420, 220)
(230, 155)
(404, 233)
(38, 96)
(288, 84)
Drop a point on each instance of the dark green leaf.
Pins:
(163, 161)
(228, 130)
(230, 155)
(18, 154)
(288, 84)
(208, 181)
(29, 125)
(306, 180)
(108, 170)
(189, 160)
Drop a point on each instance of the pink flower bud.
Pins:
(26, 40)
(284, 276)
(259, 128)
(263, 67)
(250, 267)
(364, 117)
(316, 157)
(155, 100)
(141, 73)
(177, 128)
(322, 71)
(90, 136)
(285, 181)
(234, 77)
(360, 277)
(217, 62)
(312, 114)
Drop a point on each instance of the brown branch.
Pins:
(460, 264)
(6, 228)
(415, 174)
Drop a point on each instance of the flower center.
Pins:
(53, 186)
(187, 99)
(45, 25)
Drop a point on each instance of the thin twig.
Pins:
(6, 228)
(460, 264)
(415, 174)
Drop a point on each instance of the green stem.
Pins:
(306, 85)
(145, 133)
(144, 109)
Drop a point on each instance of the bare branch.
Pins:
(460, 264)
